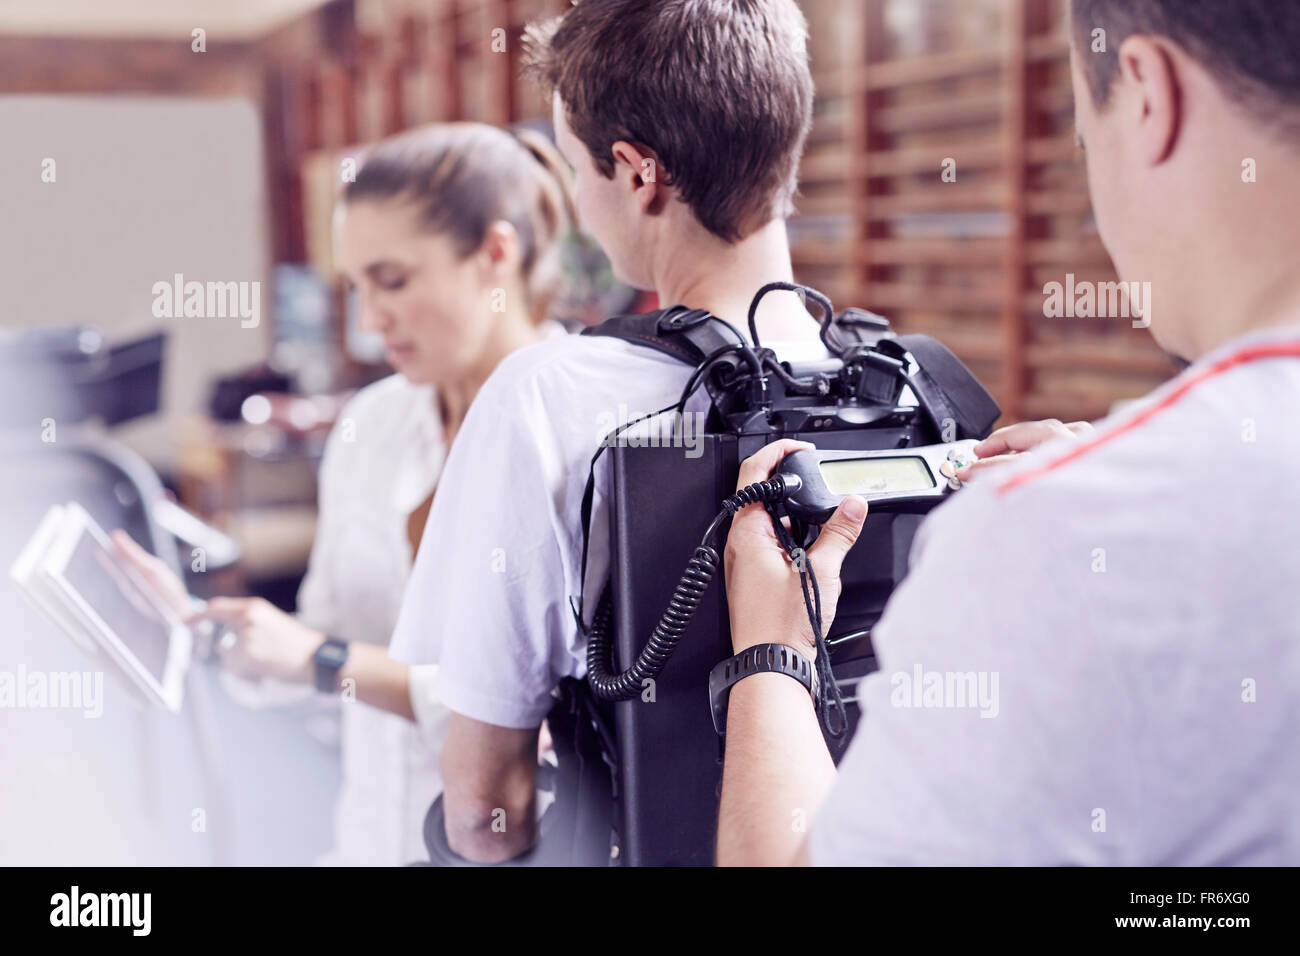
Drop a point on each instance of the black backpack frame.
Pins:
(638, 780)
(667, 760)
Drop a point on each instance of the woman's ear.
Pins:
(639, 169)
(499, 253)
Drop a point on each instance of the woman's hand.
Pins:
(764, 596)
(262, 641)
(155, 572)
(1007, 442)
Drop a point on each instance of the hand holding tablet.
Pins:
(73, 573)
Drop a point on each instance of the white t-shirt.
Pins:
(1137, 599)
(489, 594)
(381, 462)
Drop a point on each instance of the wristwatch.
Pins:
(329, 660)
(759, 659)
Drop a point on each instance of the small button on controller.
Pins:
(958, 457)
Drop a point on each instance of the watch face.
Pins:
(332, 654)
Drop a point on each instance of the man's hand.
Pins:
(1007, 442)
(763, 591)
(267, 642)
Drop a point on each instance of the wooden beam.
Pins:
(1071, 253)
(926, 69)
(945, 251)
(949, 112)
(982, 152)
(902, 295)
(1015, 117)
(952, 197)
(1118, 358)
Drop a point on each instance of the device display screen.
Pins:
(120, 603)
(874, 476)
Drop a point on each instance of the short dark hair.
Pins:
(1252, 47)
(719, 91)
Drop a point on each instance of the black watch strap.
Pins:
(759, 659)
(329, 660)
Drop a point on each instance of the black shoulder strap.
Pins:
(945, 387)
(683, 334)
(678, 332)
(644, 330)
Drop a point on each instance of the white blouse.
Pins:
(382, 460)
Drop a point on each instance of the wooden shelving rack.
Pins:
(986, 85)
(903, 85)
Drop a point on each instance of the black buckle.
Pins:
(679, 319)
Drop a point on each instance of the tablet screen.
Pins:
(120, 603)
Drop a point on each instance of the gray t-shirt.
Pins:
(1095, 658)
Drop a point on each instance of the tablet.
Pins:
(28, 572)
(149, 644)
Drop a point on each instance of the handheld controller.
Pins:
(909, 480)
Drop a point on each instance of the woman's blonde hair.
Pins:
(465, 176)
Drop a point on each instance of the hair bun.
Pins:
(545, 152)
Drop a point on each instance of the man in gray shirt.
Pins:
(1095, 658)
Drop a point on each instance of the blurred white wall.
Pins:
(145, 188)
(147, 18)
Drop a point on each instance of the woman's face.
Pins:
(433, 308)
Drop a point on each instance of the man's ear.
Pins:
(1152, 95)
(638, 168)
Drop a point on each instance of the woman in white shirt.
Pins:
(450, 236)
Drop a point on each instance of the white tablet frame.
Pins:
(170, 692)
(26, 572)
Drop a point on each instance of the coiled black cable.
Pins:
(683, 604)
(685, 601)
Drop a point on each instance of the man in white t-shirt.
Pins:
(684, 123)
(1095, 657)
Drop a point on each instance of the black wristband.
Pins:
(329, 660)
(759, 659)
